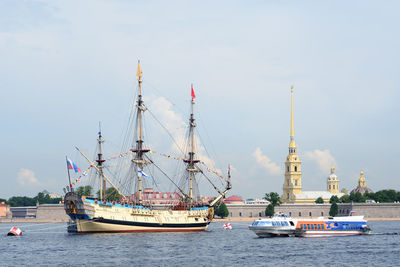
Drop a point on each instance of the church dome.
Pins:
(362, 185)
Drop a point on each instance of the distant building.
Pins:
(362, 185)
(292, 188)
(4, 210)
(24, 212)
(256, 201)
(53, 195)
(233, 200)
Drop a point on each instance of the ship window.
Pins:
(291, 223)
(273, 224)
(299, 213)
(312, 227)
(301, 226)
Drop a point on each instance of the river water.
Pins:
(51, 245)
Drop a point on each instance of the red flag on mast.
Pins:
(192, 94)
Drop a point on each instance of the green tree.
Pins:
(334, 209)
(270, 210)
(319, 200)
(274, 198)
(84, 191)
(21, 201)
(221, 210)
(3, 200)
(344, 199)
(112, 194)
(334, 198)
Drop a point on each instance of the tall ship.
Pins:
(131, 210)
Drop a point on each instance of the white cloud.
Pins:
(26, 177)
(266, 162)
(176, 125)
(323, 158)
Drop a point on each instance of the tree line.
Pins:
(382, 196)
(23, 201)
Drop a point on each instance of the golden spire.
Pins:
(292, 145)
(291, 115)
(139, 73)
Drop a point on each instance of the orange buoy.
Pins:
(15, 231)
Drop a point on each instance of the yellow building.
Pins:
(292, 188)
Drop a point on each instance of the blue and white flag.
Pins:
(142, 174)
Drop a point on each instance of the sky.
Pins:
(66, 65)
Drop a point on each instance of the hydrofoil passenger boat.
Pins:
(279, 225)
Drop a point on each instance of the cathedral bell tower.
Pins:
(292, 183)
(332, 182)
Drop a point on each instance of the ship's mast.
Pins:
(191, 161)
(100, 162)
(139, 150)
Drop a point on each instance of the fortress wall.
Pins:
(247, 211)
(304, 210)
(50, 212)
(377, 210)
(369, 210)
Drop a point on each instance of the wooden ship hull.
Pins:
(91, 216)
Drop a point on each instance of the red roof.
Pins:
(233, 198)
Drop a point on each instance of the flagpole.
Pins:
(69, 176)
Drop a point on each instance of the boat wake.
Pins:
(387, 233)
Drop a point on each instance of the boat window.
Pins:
(273, 224)
(301, 226)
(312, 226)
(291, 223)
